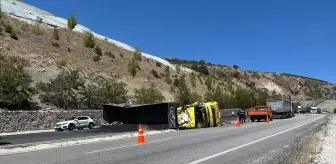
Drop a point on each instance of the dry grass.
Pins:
(307, 153)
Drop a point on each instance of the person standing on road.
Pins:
(242, 116)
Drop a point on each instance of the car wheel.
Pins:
(91, 125)
(71, 127)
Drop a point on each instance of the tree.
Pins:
(137, 55)
(62, 91)
(235, 66)
(167, 75)
(203, 69)
(72, 22)
(158, 64)
(182, 94)
(133, 66)
(261, 97)
(89, 40)
(112, 91)
(194, 67)
(244, 99)
(208, 83)
(98, 50)
(15, 89)
(201, 62)
(90, 95)
(148, 95)
(193, 79)
(154, 73)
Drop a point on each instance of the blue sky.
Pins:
(289, 36)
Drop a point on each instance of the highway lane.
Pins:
(252, 143)
(63, 135)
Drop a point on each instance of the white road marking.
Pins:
(247, 144)
(131, 145)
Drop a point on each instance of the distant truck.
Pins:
(281, 107)
(260, 113)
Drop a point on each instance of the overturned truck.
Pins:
(197, 115)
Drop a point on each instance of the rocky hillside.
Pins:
(49, 50)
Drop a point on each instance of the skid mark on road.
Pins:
(247, 144)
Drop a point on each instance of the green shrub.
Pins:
(154, 73)
(13, 35)
(96, 58)
(15, 82)
(138, 55)
(8, 28)
(182, 94)
(57, 93)
(132, 67)
(89, 40)
(98, 50)
(102, 92)
(148, 95)
(72, 22)
(158, 64)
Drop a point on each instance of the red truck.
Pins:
(260, 113)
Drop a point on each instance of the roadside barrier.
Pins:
(141, 138)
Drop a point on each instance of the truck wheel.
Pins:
(71, 127)
(91, 125)
(258, 119)
(252, 119)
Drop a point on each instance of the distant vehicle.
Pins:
(313, 110)
(260, 113)
(77, 123)
(281, 107)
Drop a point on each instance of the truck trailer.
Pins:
(281, 107)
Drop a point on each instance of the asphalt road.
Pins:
(257, 142)
(64, 135)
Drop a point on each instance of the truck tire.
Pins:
(252, 119)
(258, 119)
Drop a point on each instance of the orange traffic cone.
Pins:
(267, 119)
(238, 122)
(141, 138)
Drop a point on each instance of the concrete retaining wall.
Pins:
(12, 121)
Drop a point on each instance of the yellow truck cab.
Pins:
(199, 115)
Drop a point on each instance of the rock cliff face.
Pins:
(12, 121)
